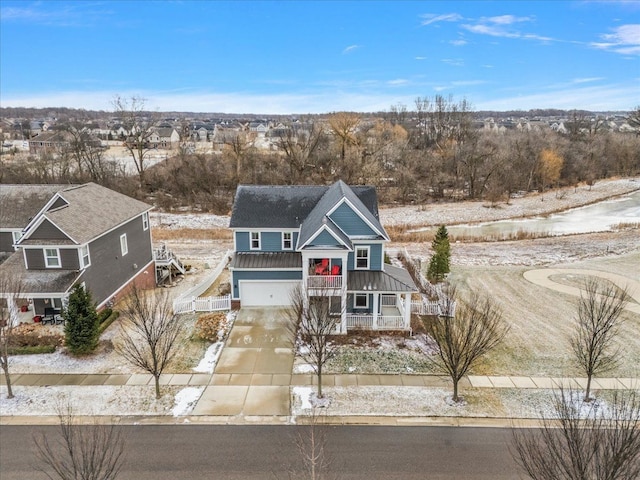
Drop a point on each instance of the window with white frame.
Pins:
(145, 221)
(287, 241)
(85, 260)
(124, 248)
(52, 258)
(16, 234)
(361, 300)
(362, 258)
(255, 240)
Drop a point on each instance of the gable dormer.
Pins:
(59, 202)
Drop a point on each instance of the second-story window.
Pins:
(255, 240)
(85, 260)
(145, 221)
(124, 248)
(362, 258)
(287, 241)
(52, 258)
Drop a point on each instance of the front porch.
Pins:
(391, 314)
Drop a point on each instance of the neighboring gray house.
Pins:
(18, 205)
(84, 234)
(327, 239)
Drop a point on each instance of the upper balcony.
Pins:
(325, 273)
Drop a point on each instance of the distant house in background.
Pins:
(48, 141)
(84, 234)
(164, 137)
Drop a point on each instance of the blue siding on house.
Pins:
(261, 275)
(242, 241)
(350, 222)
(375, 256)
(269, 241)
(325, 239)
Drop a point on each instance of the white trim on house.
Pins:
(355, 300)
(81, 256)
(15, 237)
(290, 240)
(48, 257)
(29, 230)
(124, 246)
(319, 231)
(145, 221)
(251, 240)
(359, 213)
(355, 257)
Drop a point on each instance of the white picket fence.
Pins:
(202, 304)
(190, 301)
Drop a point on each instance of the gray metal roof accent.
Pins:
(38, 281)
(285, 206)
(91, 211)
(266, 260)
(378, 281)
(20, 203)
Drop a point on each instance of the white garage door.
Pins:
(266, 293)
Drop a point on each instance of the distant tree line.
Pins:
(434, 152)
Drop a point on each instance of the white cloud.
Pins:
(429, 18)
(505, 19)
(587, 79)
(350, 49)
(79, 14)
(455, 62)
(421, 58)
(398, 81)
(625, 40)
(458, 43)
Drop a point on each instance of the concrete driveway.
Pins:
(253, 374)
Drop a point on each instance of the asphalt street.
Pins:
(161, 452)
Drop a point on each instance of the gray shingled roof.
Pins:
(93, 210)
(260, 206)
(393, 279)
(257, 260)
(38, 281)
(332, 196)
(20, 203)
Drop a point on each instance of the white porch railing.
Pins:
(202, 304)
(324, 281)
(388, 300)
(384, 322)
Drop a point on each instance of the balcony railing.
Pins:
(324, 281)
(384, 322)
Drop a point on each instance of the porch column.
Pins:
(376, 300)
(343, 309)
(407, 311)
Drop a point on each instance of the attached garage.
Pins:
(266, 293)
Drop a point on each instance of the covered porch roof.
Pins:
(392, 279)
(266, 260)
(39, 283)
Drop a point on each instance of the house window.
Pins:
(361, 300)
(16, 236)
(85, 260)
(124, 248)
(145, 221)
(52, 258)
(255, 240)
(362, 258)
(287, 241)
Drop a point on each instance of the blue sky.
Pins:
(314, 57)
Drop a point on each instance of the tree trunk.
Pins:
(157, 379)
(455, 391)
(319, 381)
(7, 379)
(587, 393)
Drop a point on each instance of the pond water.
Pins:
(598, 217)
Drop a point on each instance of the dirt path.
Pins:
(542, 277)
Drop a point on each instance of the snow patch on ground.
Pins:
(210, 359)
(303, 368)
(173, 221)
(185, 400)
(302, 397)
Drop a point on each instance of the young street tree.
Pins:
(601, 443)
(439, 264)
(81, 329)
(599, 310)
(149, 331)
(313, 323)
(10, 290)
(80, 452)
(464, 334)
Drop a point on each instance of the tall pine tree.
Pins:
(81, 322)
(439, 264)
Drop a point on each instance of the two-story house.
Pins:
(85, 234)
(326, 239)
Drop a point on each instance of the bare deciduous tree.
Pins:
(464, 334)
(311, 442)
(139, 125)
(575, 443)
(598, 321)
(312, 322)
(149, 331)
(80, 452)
(10, 290)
